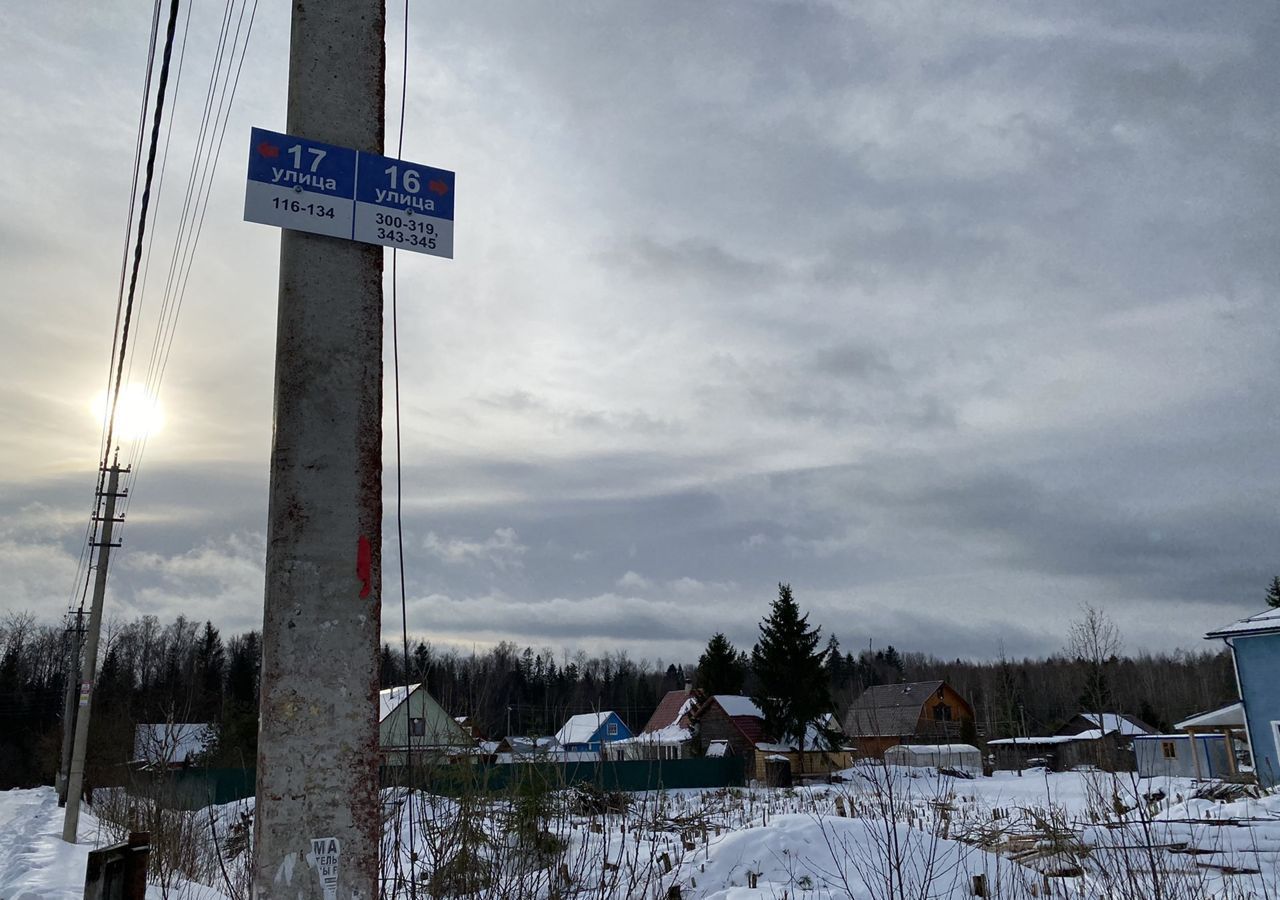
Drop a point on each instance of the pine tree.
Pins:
(720, 669)
(792, 686)
(1273, 593)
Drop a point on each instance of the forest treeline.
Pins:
(188, 671)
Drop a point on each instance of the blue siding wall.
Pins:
(602, 736)
(1258, 662)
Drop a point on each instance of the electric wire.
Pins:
(142, 220)
(395, 362)
(198, 154)
(185, 252)
(151, 240)
(83, 566)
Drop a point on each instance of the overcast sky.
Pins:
(955, 316)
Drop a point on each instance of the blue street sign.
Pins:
(300, 184)
(403, 204)
(311, 186)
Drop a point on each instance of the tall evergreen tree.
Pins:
(790, 670)
(720, 669)
(1273, 593)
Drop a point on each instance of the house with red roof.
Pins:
(732, 725)
(669, 733)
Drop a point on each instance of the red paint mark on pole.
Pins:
(364, 565)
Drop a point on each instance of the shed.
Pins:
(1228, 722)
(1160, 755)
(1063, 752)
(964, 757)
(1255, 648)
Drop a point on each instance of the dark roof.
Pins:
(668, 711)
(750, 727)
(889, 709)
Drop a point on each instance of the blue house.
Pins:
(589, 731)
(1255, 647)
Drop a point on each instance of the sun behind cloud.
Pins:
(138, 414)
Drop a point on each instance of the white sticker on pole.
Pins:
(323, 857)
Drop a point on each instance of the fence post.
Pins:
(135, 884)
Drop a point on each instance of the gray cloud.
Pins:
(915, 307)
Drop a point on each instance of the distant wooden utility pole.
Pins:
(316, 826)
(75, 778)
(76, 634)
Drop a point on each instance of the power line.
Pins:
(205, 160)
(395, 361)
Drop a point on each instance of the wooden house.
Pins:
(732, 725)
(1087, 740)
(920, 712)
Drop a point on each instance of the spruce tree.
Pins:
(791, 675)
(1273, 593)
(720, 669)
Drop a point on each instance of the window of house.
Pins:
(613, 728)
(417, 727)
(942, 712)
(1169, 749)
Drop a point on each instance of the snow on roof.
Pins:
(1231, 716)
(1115, 722)
(673, 709)
(935, 748)
(580, 728)
(1265, 622)
(736, 705)
(671, 736)
(389, 699)
(1092, 734)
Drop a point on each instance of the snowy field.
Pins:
(885, 833)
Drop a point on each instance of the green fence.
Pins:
(195, 788)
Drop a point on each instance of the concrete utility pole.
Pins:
(69, 703)
(75, 780)
(317, 820)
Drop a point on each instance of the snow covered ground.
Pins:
(885, 833)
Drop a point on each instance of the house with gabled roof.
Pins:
(588, 732)
(1255, 650)
(418, 725)
(669, 733)
(1122, 724)
(733, 725)
(920, 712)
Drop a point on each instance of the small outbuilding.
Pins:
(961, 757)
(1182, 756)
